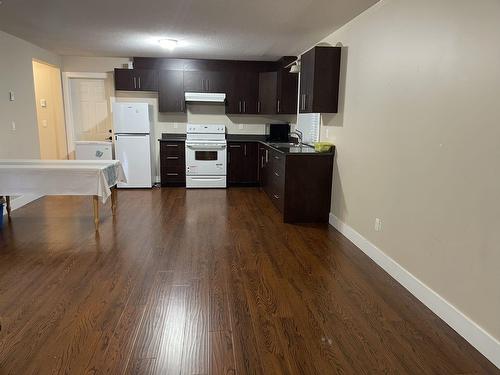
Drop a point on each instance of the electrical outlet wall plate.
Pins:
(378, 224)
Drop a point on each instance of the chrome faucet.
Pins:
(299, 134)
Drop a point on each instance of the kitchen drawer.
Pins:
(173, 163)
(276, 193)
(175, 175)
(176, 168)
(173, 149)
(277, 164)
(173, 160)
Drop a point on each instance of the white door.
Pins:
(129, 118)
(90, 109)
(134, 152)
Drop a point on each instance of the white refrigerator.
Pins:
(133, 126)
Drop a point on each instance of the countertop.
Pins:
(165, 137)
(304, 149)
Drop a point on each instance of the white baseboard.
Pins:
(20, 201)
(464, 326)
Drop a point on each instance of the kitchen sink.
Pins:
(284, 144)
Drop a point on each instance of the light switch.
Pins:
(13, 126)
(11, 96)
(44, 123)
(43, 103)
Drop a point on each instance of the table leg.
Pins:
(113, 200)
(7, 201)
(96, 212)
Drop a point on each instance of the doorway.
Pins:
(49, 111)
(88, 108)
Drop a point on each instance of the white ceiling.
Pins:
(231, 29)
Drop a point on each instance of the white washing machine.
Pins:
(93, 150)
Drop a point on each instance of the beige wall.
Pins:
(50, 117)
(418, 143)
(92, 64)
(16, 74)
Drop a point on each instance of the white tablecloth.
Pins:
(60, 177)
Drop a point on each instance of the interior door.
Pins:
(90, 109)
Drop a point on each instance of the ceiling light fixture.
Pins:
(294, 66)
(168, 43)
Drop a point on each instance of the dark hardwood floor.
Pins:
(205, 282)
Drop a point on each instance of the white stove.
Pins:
(206, 156)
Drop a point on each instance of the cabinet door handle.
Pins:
(267, 156)
(244, 106)
(245, 149)
(239, 106)
(279, 106)
(172, 145)
(208, 85)
(172, 157)
(258, 106)
(139, 79)
(262, 161)
(172, 174)
(276, 157)
(235, 146)
(276, 196)
(135, 83)
(276, 174)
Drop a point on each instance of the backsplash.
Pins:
(199, 113)
(203, 113)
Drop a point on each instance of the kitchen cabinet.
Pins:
(242, 163)
(206, 81)
(243, 93)
(299, 185)
(136, 79)
(172, 163)
(319, 80)
(278, 92)
(171, 91)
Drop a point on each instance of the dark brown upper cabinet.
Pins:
(243, 93)
(319, 80)
(136, 79)
(206, 81)
(278, 92)
(171, 91)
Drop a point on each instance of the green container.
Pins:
(323, 146)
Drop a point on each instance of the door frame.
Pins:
(68, 112)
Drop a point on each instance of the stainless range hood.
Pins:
(205, 97)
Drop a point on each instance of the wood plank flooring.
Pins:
(205, 282)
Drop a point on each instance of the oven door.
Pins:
(205, 159)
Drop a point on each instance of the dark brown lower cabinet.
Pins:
(242, 163)
(172, 163)
(299, 185)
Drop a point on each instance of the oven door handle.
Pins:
(206, 147)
